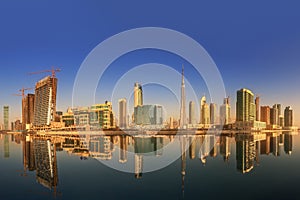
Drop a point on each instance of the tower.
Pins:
(192, 116)
(182, 105)
(225, 112)
(288, 116)
(122, 113)
(213, 113)
(6, 117)
(138, 95)
(257, 108)
(245, 107)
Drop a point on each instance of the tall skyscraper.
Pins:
(225, 112)
(28, 109)
(288, 116)
(213, 113)
(204, 110)
(257, 108)
(182, 105)
(6, 117)
(265, 114)
(245, 107)
(274, 115)
(122, 113)
(278, 106)
(192, 115)
(45, 101)
(138, 95)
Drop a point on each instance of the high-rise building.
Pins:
(28, 110)
(278, 106)
(274, 115)
(288, 116)
(265, 114)
(101, 116)
(257, 108)
(148, 115)
(45, 101)
(213, 113)
(225, 112)
(182, 102)
(245, 107)
(138, 95)
(123, 113)
(192, 115)
(6, 117)
(204, 110)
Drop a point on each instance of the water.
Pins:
(261, 166)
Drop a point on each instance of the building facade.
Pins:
(45, 102)
(288, 116)
(123, 113)
(192, 114)
(213, 113)
(138, 95)
(265, 114)
(6, 117)
(225, 112)
(148, 115)
(245, 106)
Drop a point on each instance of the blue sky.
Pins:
(255, 44)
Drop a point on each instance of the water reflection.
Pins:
(40, 151)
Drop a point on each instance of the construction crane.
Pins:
(52, 70)
(23, 91)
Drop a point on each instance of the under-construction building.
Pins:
(45, 101)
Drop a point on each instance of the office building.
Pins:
(288, 116)
(122, 113)
(6, 117)
(28, 110)
(225, 112)
(257, 108)
(265, 114)
(68, 118)
(192, 114)
(148, 115)
(213, 113)
(138, 95)
(45, 101)
(204, 110)
(81, 116)
(274, 115)
(101, 116)
(245, 107)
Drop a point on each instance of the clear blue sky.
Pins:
(255, 44)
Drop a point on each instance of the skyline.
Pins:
(263, 43)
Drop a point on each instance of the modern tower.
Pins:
(213, 113)
(45, 101)
(122, 113)
(245, 107)
(28, 109)
(182, 105)
(265, 114)
(138, 95)
(225, 112)
(6, 117)
(274, 115)
(192, 115)
(204, 111)
(257, 99)
(288, 116)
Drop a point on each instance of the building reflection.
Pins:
(6, 146)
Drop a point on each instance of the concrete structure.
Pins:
(213, 113)
(68, 118)
(225, 112)
(45, 102)
(6, 117)
(192, 114)
(28, 110)
(182, 121)
(123, 113)
(138, 95)
(274, 116)
(288, 116)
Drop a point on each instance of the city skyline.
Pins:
(244, 48)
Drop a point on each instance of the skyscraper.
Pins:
(182, 103)
(192, 115)
(138, 95)
(213, 113)
(288, 116)
(265, 114)
(45, 101)
(28, 109)
(204, 110)
(274, 115)
(6, 117)
(225, 112)
(122, 113)
(245, 107)
(257, 108)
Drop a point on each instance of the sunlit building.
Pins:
(265, 114)
(123, 113)
(6, 117)
(288, 116)
(138, 95)
(213, 113)
(28, 110)
(192, 114)
(101, 116)
(45, 101)
(148, 115)
(225, 112)
(245, 106)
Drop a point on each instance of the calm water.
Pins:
(262, 166)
